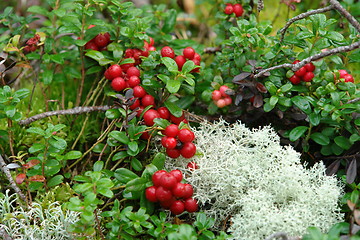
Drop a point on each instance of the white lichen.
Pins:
(248, 176)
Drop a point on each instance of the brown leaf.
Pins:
(258, 101)
(351, 205)
(351, 171)
(31, 163)
(261, 88)
(20, 178)
(332, 168)
(240, 77)
(37, 178)
(357, 216)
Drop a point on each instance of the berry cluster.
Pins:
(305, 73)
(220, 97)
(171, 193)
(99, 42)
(31, 44)
(237, 9)
(178, 142)
(136, 54)
(345, 75)
(188, 54)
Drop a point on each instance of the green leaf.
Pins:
(105, 192)
(285, 88)
(170, 64)
(119, 136)
(38, 10)
(169, 21)
(188, 66)
(342, 142)
(73, 155)
(297, 132)
(83, 187)
(320, 138)
(10, 111)
(56, 180)
(98, 166)
(314, 119)
(136, 164)
(302, 103)
(173, 85)
(161, 122)
(112, 114)
(304, 35)
(136, 185)
(124, 175)
(36, 147)
(336, 36)
(273, 100)
(159, 160)
(163, 78)
(173, 108)
(21, 93)
(47, 76)
(133, 146)
(58, 143)
(268, 107)
(36, 130)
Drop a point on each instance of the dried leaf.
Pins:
(252, 62)
(31, 163)
(129, 93)
(261, 88)
(241, 76)
(131, 116)
(37, 178)
(20, 178)
(258, 101)
(238, 99)
(332, 168)
(351, 171)
(357, 216)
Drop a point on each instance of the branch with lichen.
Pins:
(72, 111)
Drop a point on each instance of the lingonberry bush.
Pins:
(103, 107)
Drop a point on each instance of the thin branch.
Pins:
(72, 111)
(212, 49)
(346, 14)
(353, 100)
(315, 57)
(302, 16)
(6, 170)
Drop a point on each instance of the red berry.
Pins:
(197, 57)
(348, 78)
(157, 176)
(296, 61)
(145, 136)
(126, 66)
(342, 73)
(167, 52)
(139, 91)
(177, 120)
(238, 10)
(91, 45)
(295, 79)
(188, 150)
(168, 203)
(228, 9)
(173, 153)
(168, 181)
(129, 53)
(220, 103)
(101, 40)
(134, 81)
(139, 111)
(177, 174)
(114, 71)
(172, 130)
(148, 100)
(216, 95)
(136, 104)
(189, 52)
(188, 191)
(133, 71)
(177, 207)
(164, 112)
(168, 142)
(301, 72)
(178, 190)
(107, 76)
(308, 77)
(149, 117)
(150, 194)
(137, 53)
(180, 61)
(223, 89)
(192, 166)
(163, 194)
(186, 135)
(118, 84)
(310, 67)
(145, 53)
(191, 205)
(228, 100)
(152, 48)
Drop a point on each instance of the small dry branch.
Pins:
(72, 111)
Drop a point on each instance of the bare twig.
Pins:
(315, 57)
(6, 170)
(346, 14)
(212, 49)
(302, 16)
(353, 100)
(72, 111)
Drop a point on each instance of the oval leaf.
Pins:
(297, 132)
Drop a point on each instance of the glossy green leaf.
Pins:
(56, 180)
(136, 164)
(169, 21)
(320, 138)
(119, 136)
(136, 185)
(124, 175)
(170, 64)
(36, 130)
(297, 132)
(173, 85)
(302, 103)
(98, 166)
(73, 155)
(342, 142)
(173, 108)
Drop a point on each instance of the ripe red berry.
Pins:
(114, 71)
(173, 153)
(145, 136)
(177, 120)
(296, 61)
(188, 150)
(348, 78)
(180, 61)
(136, 104)
(308, 77)
(168, 181)
(168, 142)
(129, 53)
(295, 79)
(101, 40)
(192, 166)
(177, 207)
(107, 76)
(133, 71)
(163, 194)
(157, 176)
(139, 111)
(172, 130)
(164, 112)
(228, 9)
(186, 135)
(342, 73)
(191, 205)
(139, 91)
(228, 100)
(177, 174)
(167, 52)
(189, 52)
(220, 103)
(301, 72)
(118, 84)
(310, 67)
(216, 95)
(148, 100)
(238, 10)
(152, 48)
(134, 81)
(150, 194)
(178, 190)
(223, 89)
(126, 66)
(188, 191)
(91, 45)
(137, 53)
(149, 117)
(168, 203)
(197, 57)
